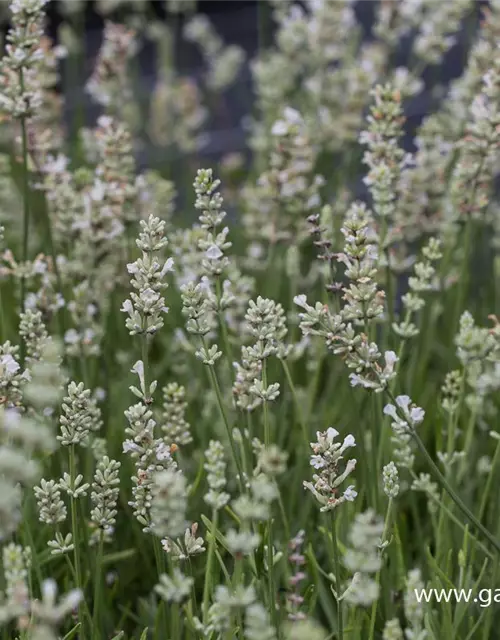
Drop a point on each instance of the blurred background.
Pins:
(246, 27)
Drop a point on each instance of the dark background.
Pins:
(237, 22)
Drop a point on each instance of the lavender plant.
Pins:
(338, 276)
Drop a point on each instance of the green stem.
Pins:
(75, 529)
(26, 206)
(373, 616)
(267, 434)
(223, 327)
(449, 490)
(336, 561)
(296, 402)
(216, 388)
(270, 573)
(210, 562)
(97, 588)
(145, 362)
(161, 627)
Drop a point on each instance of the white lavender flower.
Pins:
(214, 243)
(306, 629)
(184, 548)
(175, 428)
(150, 455)
(328, 459)
(223, 62)
(424, 483)
(104, 496)
(48, 614)
(175, 588)
(74, 487)
(392, 630)
(414, 610)
(51, 508)
(390, 478)
(33, 332)
(384, 157)
(80, 416)
(257, 623)
(61, 545)
(16, 569)
(405, 415)
(215, 466)
(146, 305)
(364, 302)
(363, 558)
(20, 89)
(169, 504)
(242, 543)
(12, 377)
(21, 436)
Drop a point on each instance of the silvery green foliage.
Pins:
(147, 304)
(223, 62)
(184, 548)
(363, 558)
(80, 416)
(421, 282)
(215, 466)
(51, 509)
(175, 588)
(33, 332)
(392, 630)
(104, 496)
(20, 91)
(405, 415)
(390, 478)
(169, 503)
(328, 459)
(175, 428)
(414, 610)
